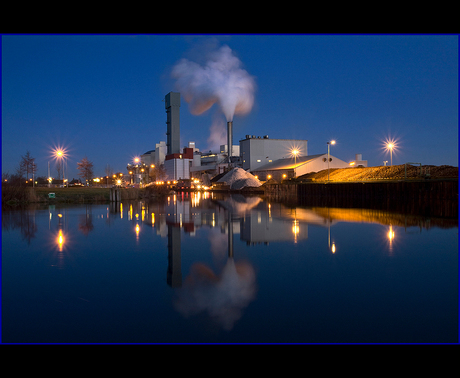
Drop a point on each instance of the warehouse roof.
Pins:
(289, 163)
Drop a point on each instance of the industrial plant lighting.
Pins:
(295, 152)
(328, 154)
(390, 145)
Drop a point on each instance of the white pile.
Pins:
(238, 178)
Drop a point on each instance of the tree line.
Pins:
(27, 169)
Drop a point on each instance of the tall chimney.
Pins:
(229, 139)
(172, 106)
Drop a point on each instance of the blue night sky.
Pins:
(102, 95)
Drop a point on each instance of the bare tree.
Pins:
(86, 169)
(108, 173)
(27, 165)
(159, 173)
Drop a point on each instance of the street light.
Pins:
(328, 153)
(295, 152)
(390, 147)
(60, 154)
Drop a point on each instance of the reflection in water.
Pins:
(227, 229)
(86, 221)
(60, 240)
(391, 236)
(222, 297)
(24, 220)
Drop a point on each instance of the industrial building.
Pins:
(267, 158)
(178, 165)
(284, 169)
(156, 156)
(358, 162)
(259, 151)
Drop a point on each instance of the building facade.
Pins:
(256, 152)
(284, 169)
(177, 166)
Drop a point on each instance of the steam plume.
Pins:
(221, 80)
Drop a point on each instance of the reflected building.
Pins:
(174, 272)
(254, 220)
(261, 228)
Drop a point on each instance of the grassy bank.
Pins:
(17, 195)
(70, 195)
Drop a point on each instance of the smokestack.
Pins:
(172, 106)
(229, 139)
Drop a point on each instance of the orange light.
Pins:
(60, 240)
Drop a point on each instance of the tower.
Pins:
(172, 105)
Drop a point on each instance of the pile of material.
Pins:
(238, 179)
(396, 172)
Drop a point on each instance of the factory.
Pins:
(288, 168)
(258, 151)
(277, 159)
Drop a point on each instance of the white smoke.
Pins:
(221, 80)
(218, 134)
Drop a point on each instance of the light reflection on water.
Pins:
(204, 268)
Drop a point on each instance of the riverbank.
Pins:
(418, 197)
(20, 195)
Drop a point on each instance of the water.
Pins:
(204, 269)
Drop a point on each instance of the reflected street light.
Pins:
(328, 153)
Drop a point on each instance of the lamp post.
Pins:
(328, 153)
(295, 152)
(60, 155)
(390, 146)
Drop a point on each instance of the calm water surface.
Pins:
(197, 268)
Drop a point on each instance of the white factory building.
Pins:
(156, 156)
(256, 151)
(284, 169)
